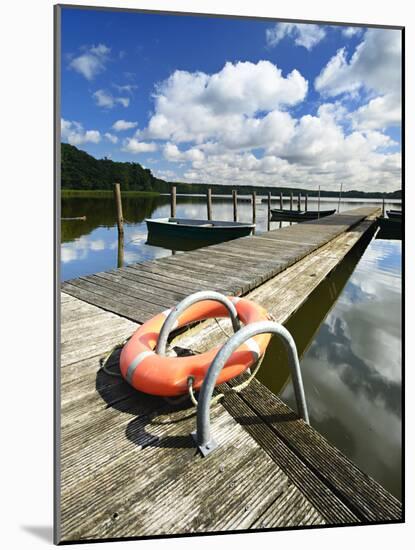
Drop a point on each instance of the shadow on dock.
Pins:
(149, 411)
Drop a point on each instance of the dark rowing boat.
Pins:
(207, 231)
(394, 214)
(390, 228)
(279, 215)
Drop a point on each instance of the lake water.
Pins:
(348, 336)
(348, 333)
(92, 245)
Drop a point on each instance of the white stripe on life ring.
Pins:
(253, 347)
(134, 364)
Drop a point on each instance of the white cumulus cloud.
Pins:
(132, 145)
(198, 107)
(351, 31)
(374, 68)
(304, 34)
(375, 65)
(74, 133)
(91, 62)
(110, 137)
(108, 101)
(236, 126)
(380, 112)
(121, 125)
(125, 88)
(172, 153)
(318, 151)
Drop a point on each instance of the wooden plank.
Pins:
(123, 299)
(194, 267)
(75, 329)
(112, 305)
(364, 496)
(75, 314)
(174, 272)
(131, 491)
(81, 348)
(155, 281)
(244, 283)
(148, 272)
(289, 510)
(178, 271)
(135, 290)
(153, 295)
(254, 253)
(232, 261)
(330, 507)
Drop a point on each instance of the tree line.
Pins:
(79, 170)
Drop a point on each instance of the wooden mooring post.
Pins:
(318, 208)
(209, 203)
(291, 204)
(340, 198)
(269, 212)
(120, 224)
(253, 209)
(235, 205)
(306, 202)
(299, 202)
(120, 254)
(118, 207)
(383, 207)
(173, 202)
(281, 201)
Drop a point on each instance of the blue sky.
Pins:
(225, 100)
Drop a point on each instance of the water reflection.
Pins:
(352, 369)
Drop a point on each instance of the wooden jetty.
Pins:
(128, 467)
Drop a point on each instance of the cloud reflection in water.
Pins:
(352, 370)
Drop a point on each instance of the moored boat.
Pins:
(390, 228)
(394, 214)
(299, 215)
(207, 231)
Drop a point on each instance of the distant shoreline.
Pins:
(105, 193)
(102, 193)
(276, 198)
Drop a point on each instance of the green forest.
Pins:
(82, 171)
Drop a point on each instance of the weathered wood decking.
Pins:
(128, 465)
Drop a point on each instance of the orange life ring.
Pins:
(168, 376)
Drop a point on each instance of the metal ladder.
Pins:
(202, 436)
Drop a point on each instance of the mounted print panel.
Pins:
(229, 204)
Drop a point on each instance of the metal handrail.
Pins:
(202, 436)
(179, 308)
